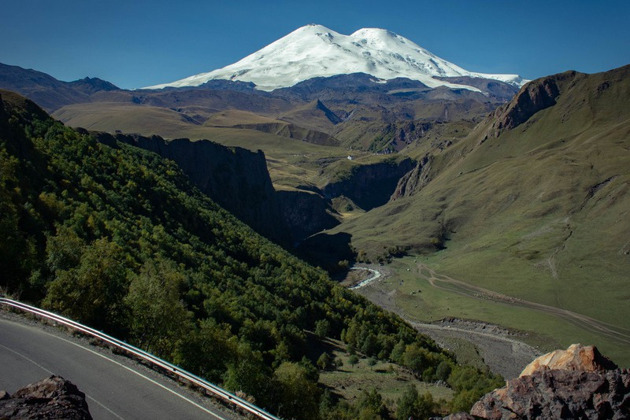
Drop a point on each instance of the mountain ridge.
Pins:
(350, 111)
(48, 92)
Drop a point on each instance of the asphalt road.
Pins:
(115, 387)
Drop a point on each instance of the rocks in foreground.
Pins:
(577, 383)
(560, 394)
(50, 398)
(576, 358)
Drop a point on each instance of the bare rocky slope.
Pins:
(239, 181)
(370, 185)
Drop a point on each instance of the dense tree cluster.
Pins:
(116, 237)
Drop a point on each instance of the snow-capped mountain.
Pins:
(316, 51)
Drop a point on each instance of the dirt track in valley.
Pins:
(447, 283)
(499, 348)
(504, 355)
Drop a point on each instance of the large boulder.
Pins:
(576, 357)
(50, 398)
(575, 383)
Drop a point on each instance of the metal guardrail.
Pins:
(156, 361)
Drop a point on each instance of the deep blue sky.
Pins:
(136, 43)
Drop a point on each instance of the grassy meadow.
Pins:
(419, 301)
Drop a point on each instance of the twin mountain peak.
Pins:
(316, 51)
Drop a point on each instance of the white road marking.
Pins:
(124, 367)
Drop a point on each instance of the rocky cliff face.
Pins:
(395, 136)
(532, 98)
(577, 383)
(560, 394)
(305, 213)
(235, 178)
(50, 398)
(576, 358)
(370, 186)
(238, 180)
(414, 180)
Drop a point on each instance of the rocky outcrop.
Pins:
(414, 180)
(560, 394)
(50, 398)
(395, 136)
(532, 98)
(574, 383)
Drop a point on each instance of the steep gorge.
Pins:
(369, 185)
(239, 181)
(236, 178)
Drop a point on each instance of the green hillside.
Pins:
(117, 237)
(534, 203)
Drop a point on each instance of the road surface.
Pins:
(115, 387)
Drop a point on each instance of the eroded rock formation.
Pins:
(414, 180)
(235, 178)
